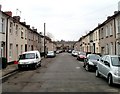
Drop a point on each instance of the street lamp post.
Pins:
(44, 41)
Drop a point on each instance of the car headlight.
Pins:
(90, 63)
(31, 62)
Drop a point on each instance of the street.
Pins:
(60, 74)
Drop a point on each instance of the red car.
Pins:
(81, 56)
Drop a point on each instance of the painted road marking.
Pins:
(77, 67)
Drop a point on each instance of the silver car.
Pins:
(109, 67)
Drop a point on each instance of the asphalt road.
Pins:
(60, 74)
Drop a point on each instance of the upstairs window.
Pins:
(102, 33)
(16, 29)
(25, 34)
(22, 33)
(11, 27)
(2, 25)
(111, 29)
(106, 31)
(118, 24)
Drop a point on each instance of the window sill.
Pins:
(106, 36)
(111, 35)
(118, 32)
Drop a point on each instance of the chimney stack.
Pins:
(35, 30)
(24, 23)
(28, 26)
(108, 17)
(115, 12)
(17, 18)
(8, 13)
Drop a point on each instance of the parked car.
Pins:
(69, 51)
(74, 53)
(51, 54)
(30, 59)
(91, 62)
(81, 56)
(109, 67)
(57, 52)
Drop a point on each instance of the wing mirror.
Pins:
(107, 63)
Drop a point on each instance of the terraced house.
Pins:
(117, 34)
(17, 37)
(105, 38)
(3, 21)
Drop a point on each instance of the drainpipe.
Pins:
(7, 37)
(115, 34)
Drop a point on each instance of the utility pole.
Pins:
(44, 40)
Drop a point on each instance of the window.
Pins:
(111, 48)
(27, 56)
(10, 50)
(103, 59)
(107, 49)
(96, 36)
(16, 29)
(107, 59)
(115, 61)
(21, 49)
(36, 55)
(17, 49)
(11, 27)
(118, 22)
(102, 33)
(111, 29)
(106, 31)
(25, 34)
(2, 26)
(22, 34)
(118, 48)
(1, 52)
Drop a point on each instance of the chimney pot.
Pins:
(8, 13)
(115, 12)
(108, 17)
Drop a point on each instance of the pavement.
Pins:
(9, 69)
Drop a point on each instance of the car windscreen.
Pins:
(82, 54)
(115, 61)
(94, 57)
(27, 56)
(49, 52)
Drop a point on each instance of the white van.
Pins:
(31, 59)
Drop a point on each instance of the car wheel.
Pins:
(87, 67)
(97, 74)
(35, 66)
(40, 64)
(19, 67)
(110, 80)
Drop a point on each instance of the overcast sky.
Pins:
(65, 19)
